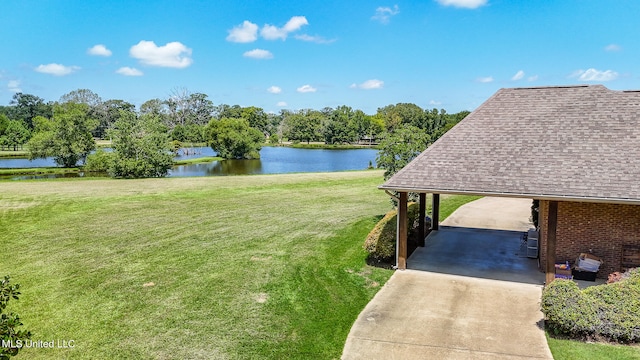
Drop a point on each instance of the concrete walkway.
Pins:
(467, 295)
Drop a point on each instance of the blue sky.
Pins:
(450, 54)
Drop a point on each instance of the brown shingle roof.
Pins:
(577, 142)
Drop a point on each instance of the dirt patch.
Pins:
(262, 298)
(261, 258)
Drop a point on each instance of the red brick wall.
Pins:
(600, 229)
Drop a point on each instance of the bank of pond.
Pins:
(273, 160)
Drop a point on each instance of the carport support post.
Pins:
(401, 246)
(551, 241)
(435, 209)
(421, 222)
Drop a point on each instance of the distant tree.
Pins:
(10, 322)
(303, 125)
(4, 122)
(227, 111)
(25, 107)
(82, 96)
(109, 113)
(155, 107)
(274, 124)
(403, 113)
(234, 139)
(15, 134)
(67, 137)
(141, 147)
(340, 126)
(186, 108)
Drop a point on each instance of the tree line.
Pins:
(66, 129)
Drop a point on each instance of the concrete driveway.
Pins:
(468, 294)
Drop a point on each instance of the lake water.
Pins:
(273, 160)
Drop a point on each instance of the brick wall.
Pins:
(600, 229)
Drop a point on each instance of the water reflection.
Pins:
(274, 160)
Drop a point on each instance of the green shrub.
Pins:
(611, 310)
(9, 321)
(381, 241)
(566, 309)
(100, 161)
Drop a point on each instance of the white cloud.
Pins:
(612, 47)
(295, 23)
(519, 75)
(272, 32)
(173, 54)
(274, 89)
(315, 39)
(129, 71)
(384, 13)
(369, 85)
(486, 79)
(532, 78)
(14, 86)
(258, 54)
(467, 4)
(595, 75)
(56, 69)
(433, 102)
(281, 104)
(99, 50)
(306, 88)
(243, 33)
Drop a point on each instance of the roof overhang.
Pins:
(549, 197)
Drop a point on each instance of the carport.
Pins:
(482, 239)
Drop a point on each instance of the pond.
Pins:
(273, 160)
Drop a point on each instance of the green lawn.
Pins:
(570, 350)
(200, 160)
(211, 267)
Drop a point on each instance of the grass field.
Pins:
(211, 267)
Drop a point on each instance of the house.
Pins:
(574, 148)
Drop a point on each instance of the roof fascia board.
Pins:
(517, 195)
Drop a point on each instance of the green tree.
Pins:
(15, 134)
(141, 147)
(227, 111)
(304, 125)
(4, 122)
(108, 114)
(257, 118)
(403, 113)
(67, 137)
(26, 107)
(399, 147)
(234, 139)
(10, 322)
(340, 126)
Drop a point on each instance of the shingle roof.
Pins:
(565, 143)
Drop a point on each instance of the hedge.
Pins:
(611, 311)
(381, 241)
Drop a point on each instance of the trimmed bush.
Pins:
(381, 241)
(611, 311)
